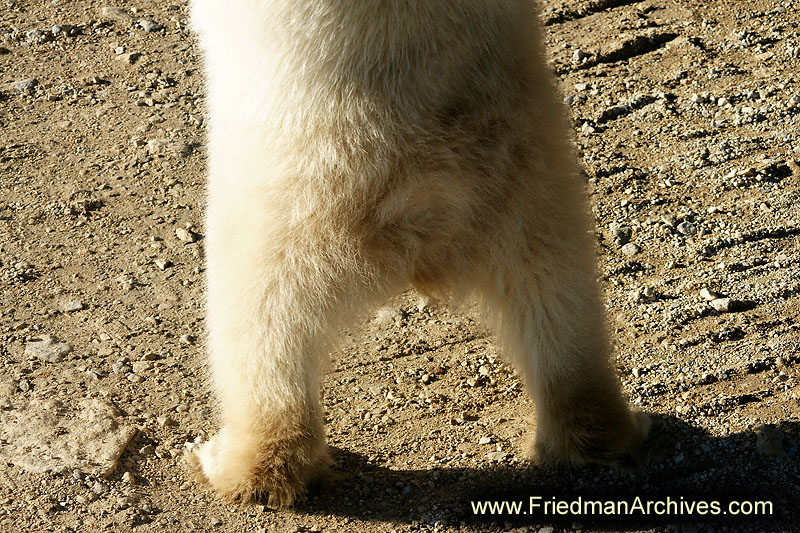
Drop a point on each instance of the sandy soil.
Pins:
(686, 114)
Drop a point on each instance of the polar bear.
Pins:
(359, 147)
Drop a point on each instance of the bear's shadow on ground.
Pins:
(683, 464)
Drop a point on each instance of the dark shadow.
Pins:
(683, 463)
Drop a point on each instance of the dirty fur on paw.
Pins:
(275, 472)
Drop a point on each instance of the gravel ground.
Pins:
(687, 116)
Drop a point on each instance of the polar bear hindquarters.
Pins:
(357, 147)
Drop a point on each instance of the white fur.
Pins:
(357, 147)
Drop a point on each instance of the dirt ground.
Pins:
(686, 115)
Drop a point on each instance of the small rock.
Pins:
(157, 146)
(141, 366)
(127, 477)
(35, 36)
(769, 441)
(185, 235)
(130, 57)
(186, 339)
(121, 367)
(621, 234)
(56, 29)
(485, 440)
(149, 25)
(72, 306)
(26, 85)
(147, 450)
(578, 56)
(99, 488)
(722, 305)
(162, 264)
(709, 295)
(649, 294)
(216, 522)
(687, 228)
(24, 385)
(166, 421)
(48, 348)
(496, 456)
(630, 249)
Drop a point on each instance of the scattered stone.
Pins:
(26, 85)
(50, 436)
(149, 25)
(115, 13)
(485, 440)
(185, 235)
(186, 339)
(619, 233)
(687, 228)
(35, 36)
(496, 456)
(216, 522)
(647, 294)
(47, 348)
(141, 366)
(579, 56)
(121, 367)
(162, 264)
(99, 488)
(631, 249)
(72, 306)
(24, 385)
(769, 441)
(166, 421)
(722, 305)
(128, 477)
(709, 295)
(129, 58)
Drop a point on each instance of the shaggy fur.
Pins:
(357, 147)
